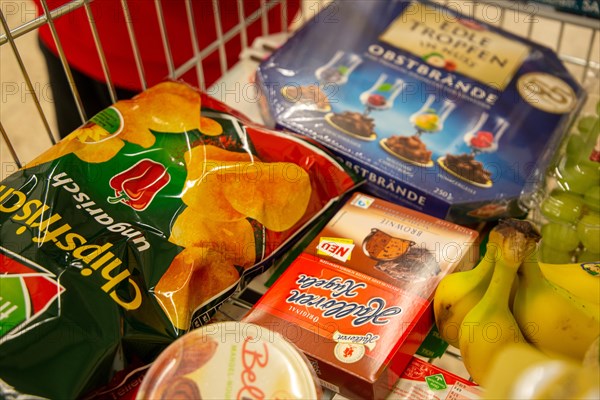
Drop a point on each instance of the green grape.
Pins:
(578, 177)
(560, 236)
(591, 135)
(591, 168)
(588, 230)
(553, 256)
(575, 146)
(562, 206)
(585, 124)
(591, 198)
(588, 127)
(588, 256)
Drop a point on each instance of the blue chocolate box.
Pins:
(436, 111)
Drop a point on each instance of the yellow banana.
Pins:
(575, 279)
(490, 326)
(523, 372)
(550, 317)
(458, 293)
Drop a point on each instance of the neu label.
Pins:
(340, 249)
(26, 291)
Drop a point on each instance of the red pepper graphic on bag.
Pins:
(138, 185)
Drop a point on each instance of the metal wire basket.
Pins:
(24, 27)
(562, 32)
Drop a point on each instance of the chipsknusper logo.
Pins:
(26, 291)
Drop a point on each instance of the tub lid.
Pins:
(230, 360)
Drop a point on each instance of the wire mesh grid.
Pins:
(11, 34)
(567, 32)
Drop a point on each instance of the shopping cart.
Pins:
(576, 39)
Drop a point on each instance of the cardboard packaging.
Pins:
(436, 111)
(357, 301)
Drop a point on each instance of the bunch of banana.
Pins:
(458, 293)
(506, 299)
(582, 282)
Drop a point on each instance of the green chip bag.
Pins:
(135, 227)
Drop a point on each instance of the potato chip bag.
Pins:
(136, 227)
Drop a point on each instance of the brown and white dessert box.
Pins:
(357, 301)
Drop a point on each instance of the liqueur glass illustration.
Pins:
(465, 166)
(381, 95)
(338, 69)
(428, 120)
(482, 138)
(482, 141)
(412, 149)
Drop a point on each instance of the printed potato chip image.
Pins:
(210, 127)
(206, 167)
(99, 152)
(215, 210)
(198, 160)
(276, 195)
(135, 129)
(155, 109)
(82, 142)
(195, 275)
(234, 239)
